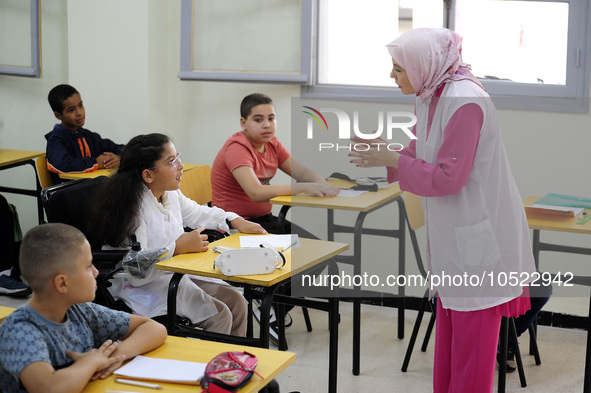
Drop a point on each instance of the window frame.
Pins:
(572, 97)
(34, 70)
(188, 73)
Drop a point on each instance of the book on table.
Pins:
(162, 370)
(560, 205)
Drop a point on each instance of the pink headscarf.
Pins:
(430, 57)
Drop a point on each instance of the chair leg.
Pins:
(307, 319)
(533, 345)
(533, 327)
(428, 332)
(415, 333)
(513, 333)
(508, 327)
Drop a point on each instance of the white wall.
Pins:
(25, 115)
(123, 57)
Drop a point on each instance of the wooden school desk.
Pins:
(10, 158)
(363, 204)
(271, 363)
(311, 254)
(106, 172)
(546, 222)
(4, 312)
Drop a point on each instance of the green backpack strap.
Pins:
(16, 226)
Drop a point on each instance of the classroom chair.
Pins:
(415, 220)
(70, 203)
(43, 174)
(43, 177)
(196, 184)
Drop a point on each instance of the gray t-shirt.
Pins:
(26, 337)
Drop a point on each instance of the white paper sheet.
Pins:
(350, 193)
(277, 241)
(154, 369)
(556, 210)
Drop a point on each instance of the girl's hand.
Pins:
(192, 241)
(245, 226)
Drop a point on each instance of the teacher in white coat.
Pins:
(477, 233)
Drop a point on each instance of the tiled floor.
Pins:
(562, 352)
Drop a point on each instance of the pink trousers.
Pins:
(465, 350)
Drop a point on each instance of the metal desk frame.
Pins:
(355, 260)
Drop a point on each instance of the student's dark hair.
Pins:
(252, 100)
(58, 95)
(118, 200)
(47, 250)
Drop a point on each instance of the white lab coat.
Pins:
(160, 224)
(480, 233)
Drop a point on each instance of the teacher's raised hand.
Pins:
(375, 153)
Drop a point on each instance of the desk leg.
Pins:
(266, 303)
(40, 214)
(249, 322)
(334, 319)
(173, 287)
(280, 318)
(34, 193)
(356, 290)
(357, 294)
(536, 248)
(401, 264)
(587, 380)
(281, 219)
(536, 252)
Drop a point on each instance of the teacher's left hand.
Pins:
(377, 155)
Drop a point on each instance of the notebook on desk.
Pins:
(162, 370)
(560, 205)
(559, 211)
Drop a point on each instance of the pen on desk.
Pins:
(138, 383)
(290, 246)
(119, 391)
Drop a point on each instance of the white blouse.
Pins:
(160, 224)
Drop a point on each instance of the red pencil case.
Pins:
(229, 371)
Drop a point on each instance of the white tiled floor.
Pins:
(562, 352)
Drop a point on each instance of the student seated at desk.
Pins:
(242, 172)
(143, 197)
(70, 147)
(59, 341)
